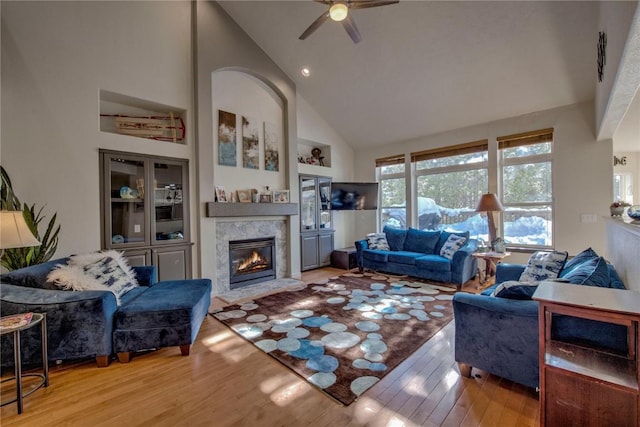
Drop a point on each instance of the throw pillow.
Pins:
(513, 289)
(451, 246)
(395, 237)
(103, 271)
(444, 236)
(378, 241)
(543, 266)
(577, 260)
(593, 272)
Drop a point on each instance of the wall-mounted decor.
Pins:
(226, 138)
(221, 195)
(244, 196)
(250, 143)
(280, 196)
(271, 160)
(602, 57)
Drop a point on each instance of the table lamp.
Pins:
(489, 203)
(14, 231)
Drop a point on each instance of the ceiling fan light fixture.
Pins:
(338, 11)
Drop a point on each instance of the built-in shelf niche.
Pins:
(126, 115)
(305, 148)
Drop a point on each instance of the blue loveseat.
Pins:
(500, 335)
(82, 324)
(416, 253)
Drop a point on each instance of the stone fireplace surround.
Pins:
(244, 229)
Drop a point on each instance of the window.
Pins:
(390, 172)
(449, 182)
(527, 191)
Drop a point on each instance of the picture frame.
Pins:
(280, 196)
(221, 195)
(244, 196)
(265, 198)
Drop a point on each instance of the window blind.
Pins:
(525, 138)
(452, 150)
(398, 159)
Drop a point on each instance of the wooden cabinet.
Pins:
(145, 211)
(586, 386)
(316, 222)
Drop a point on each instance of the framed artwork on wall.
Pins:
(271, 155)
(226, 138)
(250, 143)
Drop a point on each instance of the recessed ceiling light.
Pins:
(305, 72)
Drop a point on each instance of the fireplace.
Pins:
(251, 261)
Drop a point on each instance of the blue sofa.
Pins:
(500, 335)
(417, 253)
(82, 324)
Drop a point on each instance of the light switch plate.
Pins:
(588, 218)
(136, 228)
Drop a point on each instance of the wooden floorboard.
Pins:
(226, 381)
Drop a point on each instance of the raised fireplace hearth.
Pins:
(251, 261)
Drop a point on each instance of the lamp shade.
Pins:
(489, 203)
(14, 231)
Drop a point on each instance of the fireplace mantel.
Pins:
(215, 209)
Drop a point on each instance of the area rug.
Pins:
(346, 334)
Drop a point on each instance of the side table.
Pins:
(37, 318)
(490, 260)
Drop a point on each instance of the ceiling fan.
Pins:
(339, 12)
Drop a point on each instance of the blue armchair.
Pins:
(500, 335)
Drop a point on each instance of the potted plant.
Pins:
(12, 259)
(617, 208)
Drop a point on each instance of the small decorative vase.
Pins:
(617, 211)
(634, 213)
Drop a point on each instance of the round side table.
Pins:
(37, 318)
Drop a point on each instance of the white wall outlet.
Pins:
(136, 228)
(588, 218)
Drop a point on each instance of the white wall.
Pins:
(632, 167)
(313, 127)
(582, 169)
(244, 95)
(220, 45)
(56, 56)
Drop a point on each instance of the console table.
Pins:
(581, 385)
(44, 376)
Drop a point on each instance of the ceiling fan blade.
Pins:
(366, 5)
(350, 25)
(315, 25)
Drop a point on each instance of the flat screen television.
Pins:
(350, 196)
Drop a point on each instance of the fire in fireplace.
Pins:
(251, 261)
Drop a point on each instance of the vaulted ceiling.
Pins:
(425, 67)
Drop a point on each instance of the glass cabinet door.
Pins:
(125, 201)
(168, 212)
(308, 204)
(324, 192)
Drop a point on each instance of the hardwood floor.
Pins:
(228, 382)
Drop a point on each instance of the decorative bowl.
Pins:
(634, 212)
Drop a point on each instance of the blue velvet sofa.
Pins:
(417, 253)
(500, 335)
(82, 324)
